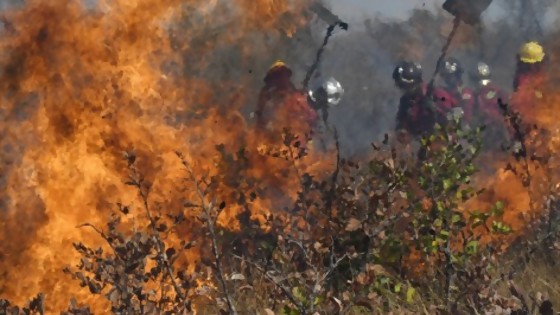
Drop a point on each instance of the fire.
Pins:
(525, 190)
(83, 86)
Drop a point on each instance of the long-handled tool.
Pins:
(467, 11)
(333, 21)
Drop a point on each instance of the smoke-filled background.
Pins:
(381, 34)
(84, 81)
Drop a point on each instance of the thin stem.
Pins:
(207, 207)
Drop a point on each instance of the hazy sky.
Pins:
(399, 9)
(392, 8)
(389, 8)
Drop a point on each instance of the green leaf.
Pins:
(499, 205)
(286, 310)
(298, 294)
(447, 184)
(455, 218)
(410, 294)
(454, 259)
(397, 288)
(317, 301)
(499, 227)
(472, 247)
(498, 209)
(476, 223)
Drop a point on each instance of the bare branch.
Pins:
(160, 248)
(278, 285)
(207, 207)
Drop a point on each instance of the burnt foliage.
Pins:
(390, 234)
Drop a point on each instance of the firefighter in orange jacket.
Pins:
(282, 105)
(529, 79)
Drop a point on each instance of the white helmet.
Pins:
(331, 87)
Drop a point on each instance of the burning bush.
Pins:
(210, 220)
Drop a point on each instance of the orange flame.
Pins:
(90, 86)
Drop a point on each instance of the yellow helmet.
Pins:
(278, 64)
(531, 52)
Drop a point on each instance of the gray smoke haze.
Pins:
(363, 58)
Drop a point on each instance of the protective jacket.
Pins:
(416, 114)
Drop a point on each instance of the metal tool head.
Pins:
(468, 11)
(329, 89)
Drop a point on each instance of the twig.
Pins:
(449, 274)
(515, 120)
(207, 207)
(330, 31)
(281, 287)
(516, 291)
(334, 178)
(94, 228)
(319, 280)
(158, 241)
(102, 234)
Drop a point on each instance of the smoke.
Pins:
(363, 59)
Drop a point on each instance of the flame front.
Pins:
(82, 86)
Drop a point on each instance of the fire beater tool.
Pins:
(467, 11)
(333, 21)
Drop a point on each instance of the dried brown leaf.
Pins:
(362, 278)
(353, 225)
(346, 296)
(378, 270)
(237, 276)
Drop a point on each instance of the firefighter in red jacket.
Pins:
(487, 110)
(281, 105)
(416, 114)
(454, 94)
(529, 80)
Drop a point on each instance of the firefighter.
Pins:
(529, 79)
(454, 94)
(487, 110)
(281, 105)
(277, 86)
(487, 95)
(530, 60)
(416, 115)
